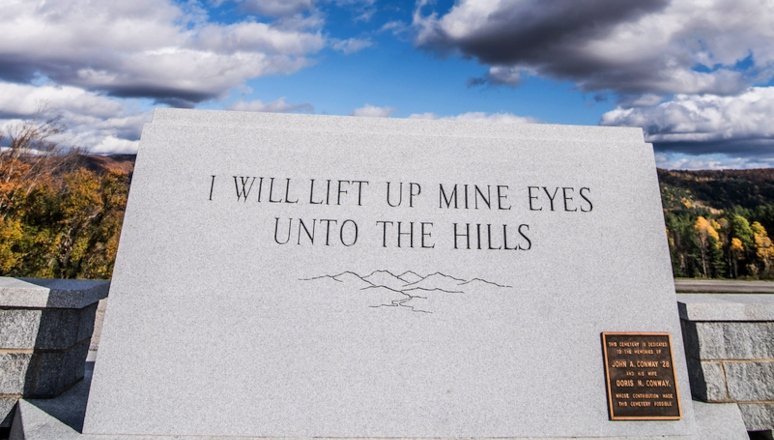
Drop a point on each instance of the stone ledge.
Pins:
(726, 307)
(729, 340)
(45, 332)
(50, 293)
(42, 374)
(62, 419)
(758, 416)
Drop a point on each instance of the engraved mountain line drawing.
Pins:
(408, 290)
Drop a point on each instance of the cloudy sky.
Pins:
(696, 75)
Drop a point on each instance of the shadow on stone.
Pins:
(70, 407)
(761, 435)
(62, 343)
(692, 356)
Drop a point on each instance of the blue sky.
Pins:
(697, 76)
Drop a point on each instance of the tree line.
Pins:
(733, 244)
(58, 217)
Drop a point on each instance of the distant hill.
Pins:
(117, 163)
(716, 190)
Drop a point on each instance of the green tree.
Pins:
(764, 251)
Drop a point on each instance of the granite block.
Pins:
(708, 382)
(87, 319)
(749, 340)
(50, 293)
(42, 373)
(52, 372)
(750, 381)
(13, 370)
(758, 416)
(46, 329)
(705, 340)
(58, 329)
(727, 307)
(20, 328)
(729, 340)
(319, 336)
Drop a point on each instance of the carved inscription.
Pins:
(641, 382)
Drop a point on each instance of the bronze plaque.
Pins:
(640, 373)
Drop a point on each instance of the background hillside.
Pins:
(61, 217)
(717, 222)
(717, 189)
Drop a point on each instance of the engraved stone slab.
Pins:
(296, 276)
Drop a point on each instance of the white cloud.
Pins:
(278, 106)
(276, 8)
(372, 111)
(508, 118)
(29, 101)
(113, 145)
(703, 118)
(628, 47)
(506, 75)
(396, 28)
(92, 121)
(362, 10)
(351, 45)
(146, 48)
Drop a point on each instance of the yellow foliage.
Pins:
(10, 233)
(705, 229)
(736, 245)
(763, 246)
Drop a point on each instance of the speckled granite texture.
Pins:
(311, 276)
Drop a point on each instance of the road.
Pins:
(684, 285)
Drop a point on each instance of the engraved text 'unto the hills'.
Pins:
(399, 195)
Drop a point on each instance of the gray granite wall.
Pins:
(729, 343)
(45, 333)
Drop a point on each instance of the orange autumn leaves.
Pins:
(727, 246)
(58, 218)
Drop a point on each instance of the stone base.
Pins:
(61, 418)
(45, 332)
(729, 348)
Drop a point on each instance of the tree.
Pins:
(708, 242)
(29, 159)
(57, 217)
(740, 229)
(736, 253)
(764, 251)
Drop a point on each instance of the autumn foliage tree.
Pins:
(58, 218)
(704, 244)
